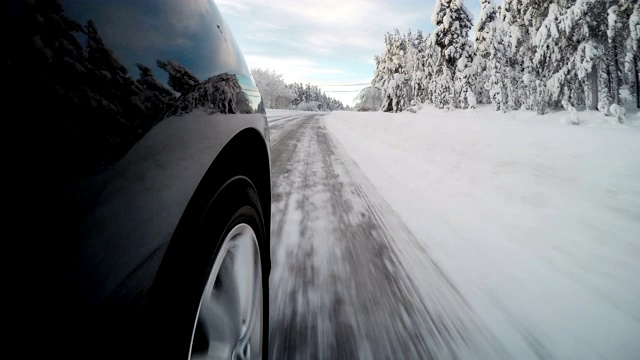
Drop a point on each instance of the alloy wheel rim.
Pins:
(229, 321)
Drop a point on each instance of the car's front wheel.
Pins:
(229, 322)
(207, 301)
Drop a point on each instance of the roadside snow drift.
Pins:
(537, 222)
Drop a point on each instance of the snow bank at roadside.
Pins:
(537, 222)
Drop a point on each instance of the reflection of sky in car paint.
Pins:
(166, 30)
(250, 90)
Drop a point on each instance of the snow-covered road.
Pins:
(469, 234)
(339, 287)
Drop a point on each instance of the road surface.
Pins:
(348, 280)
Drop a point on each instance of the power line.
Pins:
(334, 91)
(347, 84)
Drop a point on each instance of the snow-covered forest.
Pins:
(524, 54)
(276, 94)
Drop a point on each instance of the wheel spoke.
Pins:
(231, 305)
(245, 269)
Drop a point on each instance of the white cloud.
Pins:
(327, 26)
(297, 69)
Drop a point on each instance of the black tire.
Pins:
(172, 310)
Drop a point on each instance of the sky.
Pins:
(329, 43)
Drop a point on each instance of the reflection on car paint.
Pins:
(93, 110)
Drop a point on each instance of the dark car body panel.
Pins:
(122, 106)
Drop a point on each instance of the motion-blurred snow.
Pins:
(535, 221)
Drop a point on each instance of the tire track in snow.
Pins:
(343, 280)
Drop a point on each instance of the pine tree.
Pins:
(391, 74)
(615, 33)
(383, 72)
(498, 64)
(488, 14)
(551, 45)
(276, 94)
(369, 99)
(510, 12)
(632, 47)
(466, 79)
(569, 49)
(511, 16)
(530, 54)
(532, 14)
(418, 72)
(453, 22)
(181, 80)
(622, 35)
(432, 59)
(155, 97)
(409, 62)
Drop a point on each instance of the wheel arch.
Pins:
(246, 154)
(245, 157)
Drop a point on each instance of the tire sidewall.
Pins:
(172, 309)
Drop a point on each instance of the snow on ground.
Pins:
(537, 222)
(277, 114)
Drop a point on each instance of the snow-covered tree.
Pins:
(432, 61)
(570, 50)
(369, 99)
(551, 49)
(615, 33)
(514, 14)
(276, 94)
(524, 30)
(466, 80)
(181, 79)
(418, 74)
(221, 94)
(498, 71)
(454, 78)
(155, 97)
(409, 58)
(312, 98)
(622, 34)
(529, 54)
(392, 74)
(510, 12)
(274, 91)
(632, 58)
(488, 14)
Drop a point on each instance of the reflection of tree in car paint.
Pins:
(219, 94)
(82, 97)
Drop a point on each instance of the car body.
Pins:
(138, 136)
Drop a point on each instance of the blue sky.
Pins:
(329, 42)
